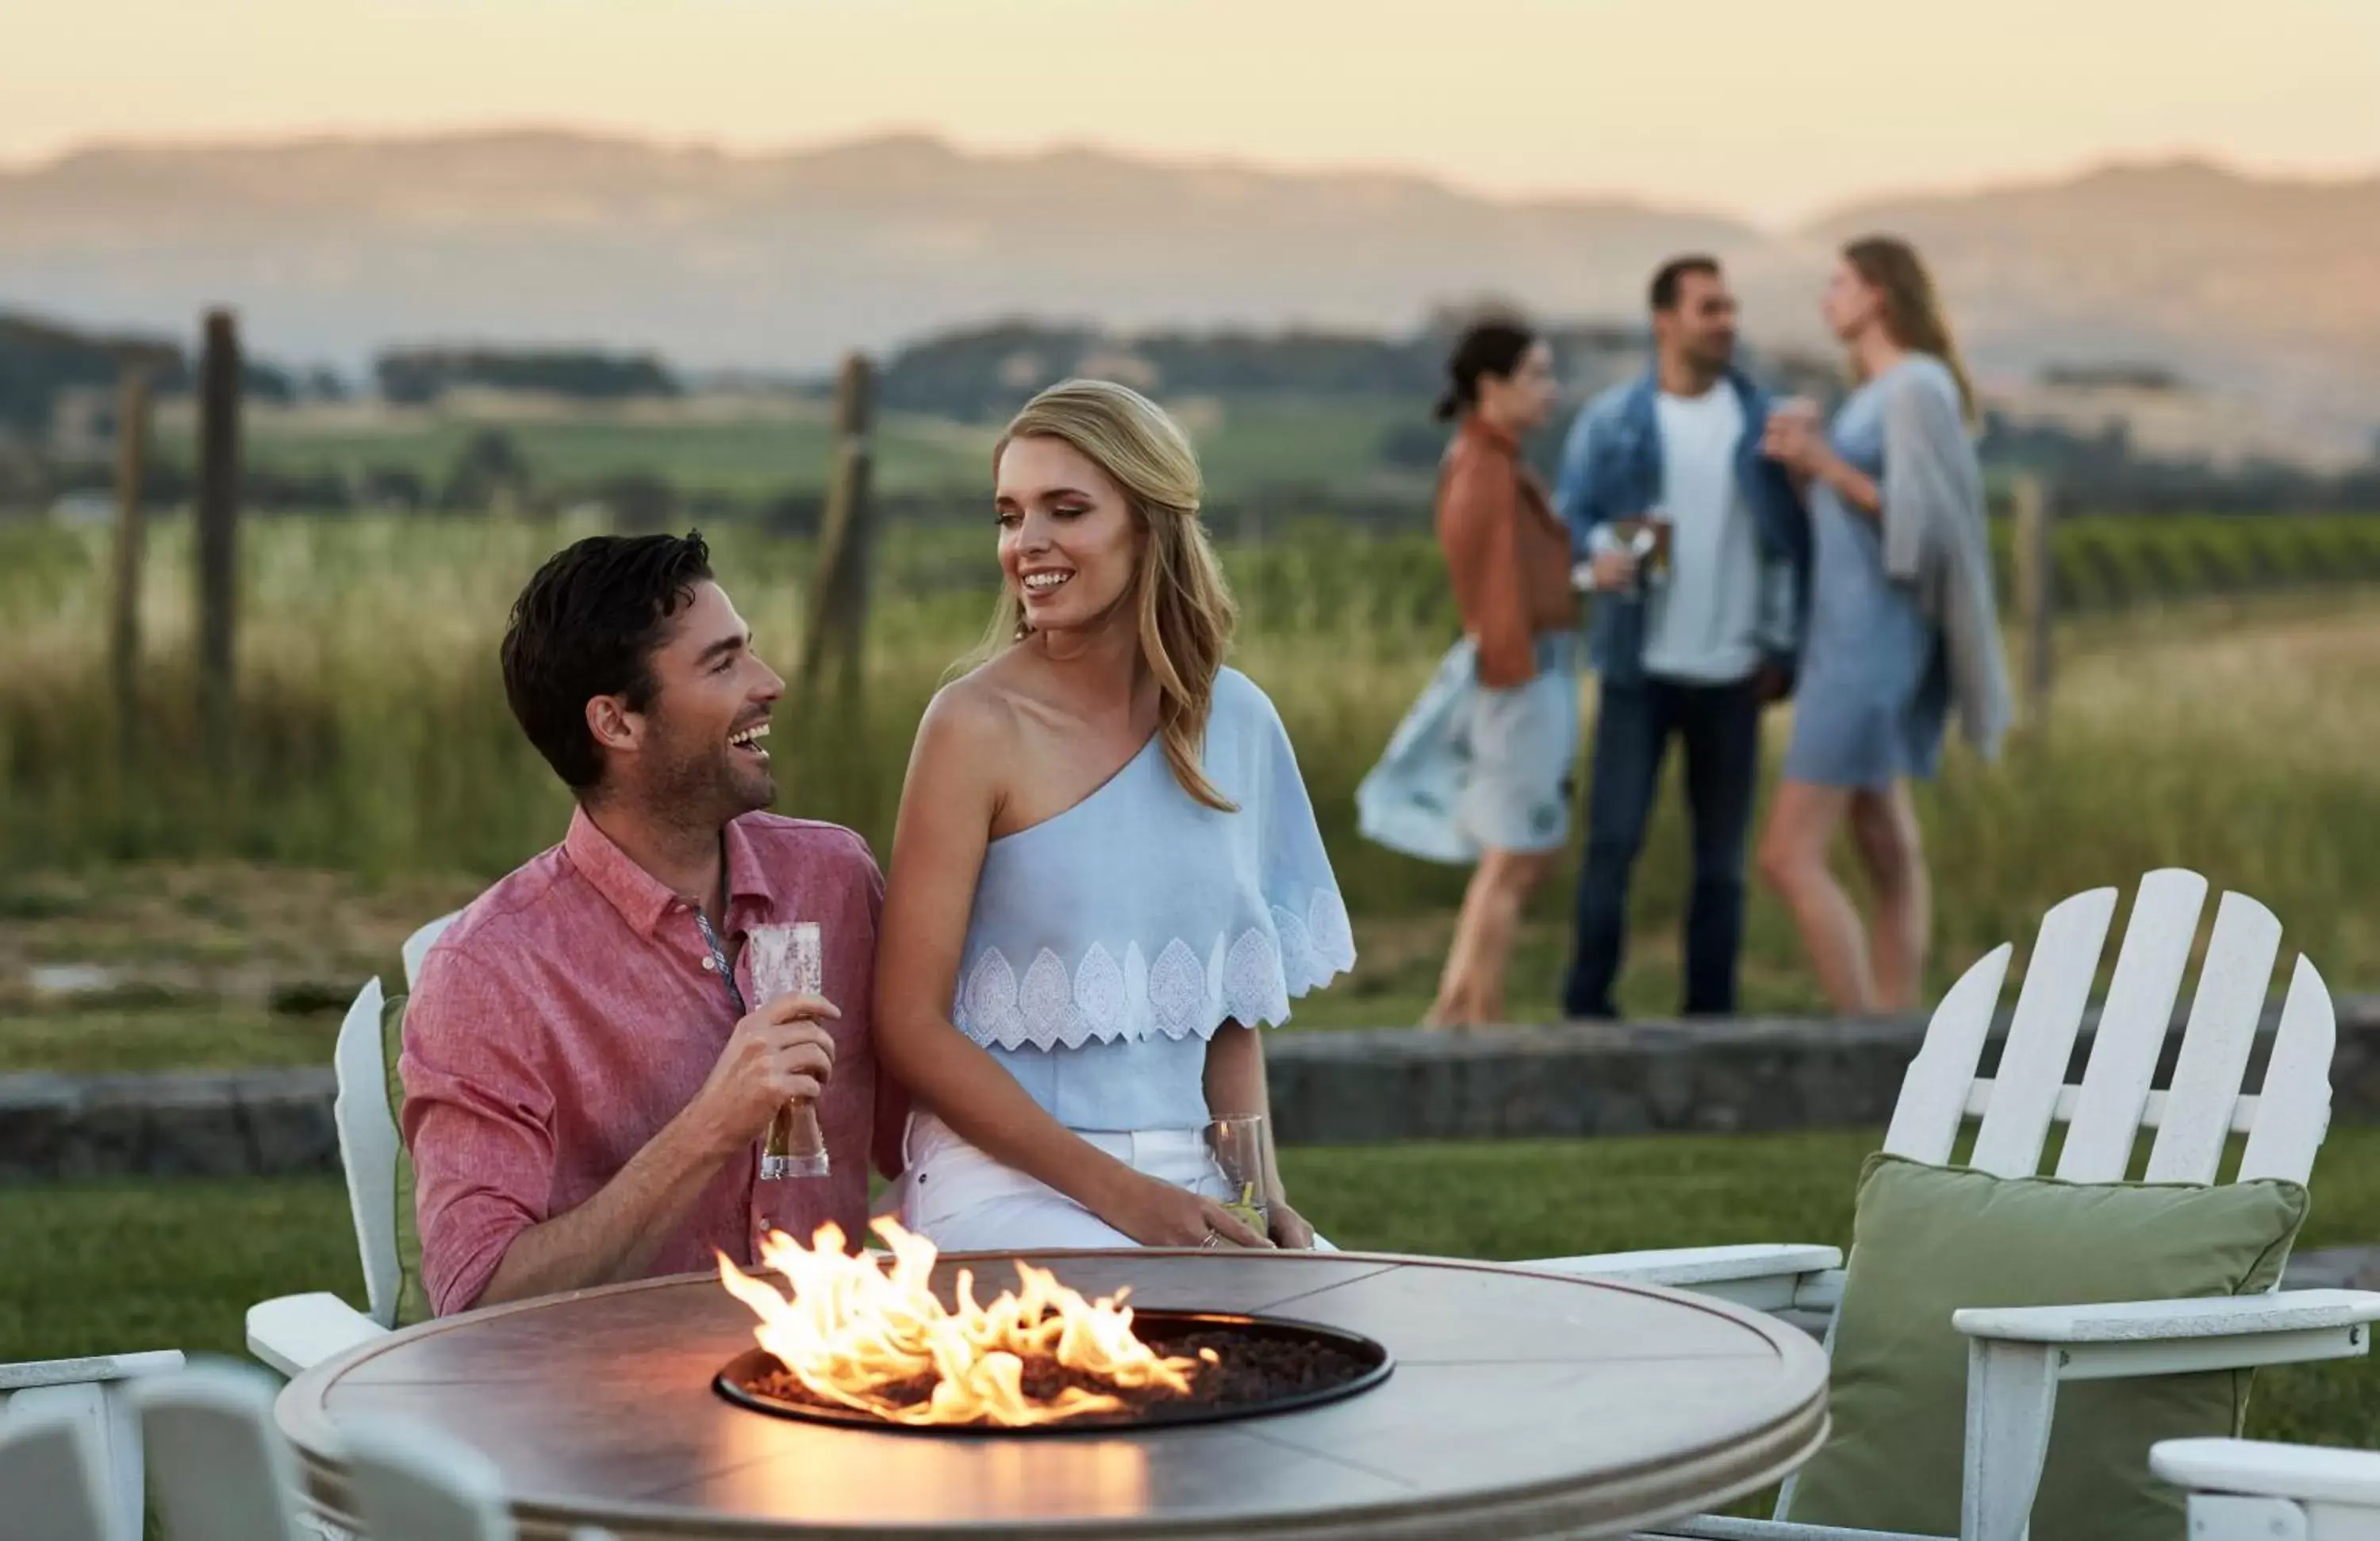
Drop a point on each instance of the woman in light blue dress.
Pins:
(1902, 626)
(1107, 876)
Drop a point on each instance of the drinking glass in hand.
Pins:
(1657, 533)
(1242, 1146)
(1647, 538)
(1793, 424)
(790, 960)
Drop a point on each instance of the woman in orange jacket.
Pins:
(1479, 772)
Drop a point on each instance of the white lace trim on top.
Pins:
(1248, 979)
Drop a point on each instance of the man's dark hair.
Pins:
(587, 625)
(1672, 277)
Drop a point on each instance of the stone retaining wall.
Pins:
(1329, 1088)
(1364, 1087)
(232, 1124)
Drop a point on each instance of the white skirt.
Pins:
(962, 1200)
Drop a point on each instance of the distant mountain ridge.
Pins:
(334, 248)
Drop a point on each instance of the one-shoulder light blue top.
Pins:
(1108, 943)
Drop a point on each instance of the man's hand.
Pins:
(1771, 684)
(1610, 571)
(778, 1053)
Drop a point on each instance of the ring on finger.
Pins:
(1212, 1238)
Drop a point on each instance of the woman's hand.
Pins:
(1156, 1213)
(1792, 439)
(1289, 1227)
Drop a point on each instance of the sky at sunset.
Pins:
(1773, 110)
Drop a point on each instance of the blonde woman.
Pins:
(1107, 875)
(1902, 629)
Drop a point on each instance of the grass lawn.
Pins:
(115, 1266)
(178, 1010)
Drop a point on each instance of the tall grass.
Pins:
(2236, 737)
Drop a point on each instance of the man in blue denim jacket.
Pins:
(1697, 549)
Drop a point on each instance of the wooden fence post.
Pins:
(2035, 593)
(124, 632)
(838, 617)
(218, 532)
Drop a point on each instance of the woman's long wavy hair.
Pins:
(1183, 606)
(1913, 316)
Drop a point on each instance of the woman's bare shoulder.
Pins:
(974, 715)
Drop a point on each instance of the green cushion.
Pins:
(412, 1296)
(1929, 1240)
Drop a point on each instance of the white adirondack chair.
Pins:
(2017, 1357)
(294, 1332)
(417, 946)
(2246, 1490)
(222, 1471)
(415, 1483)
(89, 1394)
(54, 1475)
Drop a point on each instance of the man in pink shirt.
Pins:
(586, 1075)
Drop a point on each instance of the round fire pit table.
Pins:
(1520, 1404)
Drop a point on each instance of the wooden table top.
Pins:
(1522, 1405)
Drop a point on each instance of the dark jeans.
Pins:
(1634, 725)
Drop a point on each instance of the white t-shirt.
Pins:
(1702, 625)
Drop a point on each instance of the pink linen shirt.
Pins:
(574, 1009)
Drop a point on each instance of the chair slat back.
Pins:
(2114, 1097)
(417, 946)
(220, 1469)
(415, 1483)
(2106, 1114)
(52, 1471)
(367, 1148)
(2049, 1009)
(2293, 1110)
(1933, 1090)
(2222, 1029)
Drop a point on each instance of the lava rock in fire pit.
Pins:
(1254, 1369)
(1245, 1366)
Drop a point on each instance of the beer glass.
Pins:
(790, 960)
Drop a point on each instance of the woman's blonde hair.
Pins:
(1913, 316)
(1184, 609)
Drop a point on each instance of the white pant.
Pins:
(962, 1200)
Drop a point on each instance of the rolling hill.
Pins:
(333, 247)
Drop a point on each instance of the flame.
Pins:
(851, 1328)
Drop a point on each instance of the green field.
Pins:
(751, 451)
(2109, 563)
(117, 1267)
(380, 780)
(2232, 734)
(743, 457)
